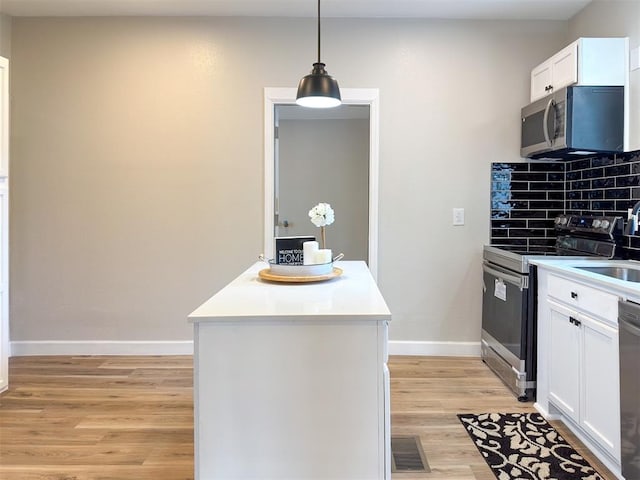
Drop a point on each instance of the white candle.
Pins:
(323, 255)
(309, 250)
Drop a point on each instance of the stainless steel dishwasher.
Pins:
(629, 335)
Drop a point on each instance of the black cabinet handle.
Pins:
(574, 294)
(575, 321)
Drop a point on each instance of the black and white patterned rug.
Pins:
(523, 446)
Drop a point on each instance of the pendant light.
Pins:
(318, 89)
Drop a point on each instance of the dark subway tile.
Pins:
(498, 205)
(617, 170)
(593, 194)
(547, 185)
(602, 161)
(526, 232)
(514, 242)
(546, 167)
(508, 223)
(575, 195)
(628, 181)
(528, 214)
(547, 204)
(527, 195)
(519, 185)
(540, 223)
(603, 205)
(618, 193)
(571, 176)
(555, 176)
(555, 195)
(634, 241)
(604, 183)
(499, 232)
(579, 164)
(513, 166)
(529, 177)
(549, 242)
(499, 214)
(581, 185)
(624, 205)
(578, 205)
(593, 173)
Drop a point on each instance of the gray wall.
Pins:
(615, 19)
(326, 161)
(137, 150)
(5, 36)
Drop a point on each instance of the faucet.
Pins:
(632, 220)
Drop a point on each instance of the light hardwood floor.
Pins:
(131, 418)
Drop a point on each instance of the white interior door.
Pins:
(4, 224)
(350, 96)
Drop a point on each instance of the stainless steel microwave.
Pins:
(577, 120)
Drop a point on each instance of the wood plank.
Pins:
(109, 417)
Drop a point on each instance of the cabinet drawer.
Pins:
(588, 299)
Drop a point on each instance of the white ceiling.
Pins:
(452, 9)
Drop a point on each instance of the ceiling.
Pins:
(450, 9)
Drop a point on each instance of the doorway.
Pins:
(330, 156)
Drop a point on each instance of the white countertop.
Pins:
(570, 267)
(353, 294)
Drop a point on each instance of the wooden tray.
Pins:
(267, 275)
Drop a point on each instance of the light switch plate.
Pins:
(458, 216)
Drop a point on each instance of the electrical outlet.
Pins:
(458, 216)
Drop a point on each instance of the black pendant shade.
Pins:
(318, 89)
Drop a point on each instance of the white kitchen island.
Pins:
(291, 380)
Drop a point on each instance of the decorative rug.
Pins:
(523, 446)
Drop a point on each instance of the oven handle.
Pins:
(520, 281)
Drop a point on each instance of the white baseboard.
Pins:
(54, 347)
(435, 349)
(27, 348)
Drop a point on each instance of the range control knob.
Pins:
(596, 223)
(605, 224)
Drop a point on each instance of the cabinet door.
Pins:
(540, 80)
(564, 358)
(565, 66)
(600, 407)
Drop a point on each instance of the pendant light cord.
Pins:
(319, 31)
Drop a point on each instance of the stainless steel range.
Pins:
(509, 300)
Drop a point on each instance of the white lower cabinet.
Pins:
(578, 355)
(564, 352)
(600, 395)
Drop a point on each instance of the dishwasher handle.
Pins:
(624, 324)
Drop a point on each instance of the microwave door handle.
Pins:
(545, 122)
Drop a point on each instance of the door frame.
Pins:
(350, 96)
(5, 346)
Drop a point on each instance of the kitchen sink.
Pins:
(629, 274)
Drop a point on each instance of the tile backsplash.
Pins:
(525, 197)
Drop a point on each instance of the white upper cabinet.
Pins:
(587, 61)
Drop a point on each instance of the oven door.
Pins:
(504, 313)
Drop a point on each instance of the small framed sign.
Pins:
(289, 250)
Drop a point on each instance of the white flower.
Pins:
(322, 215)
